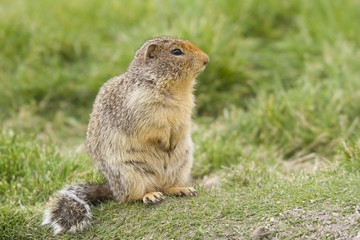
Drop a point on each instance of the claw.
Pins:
(153, 197)
(182, 191)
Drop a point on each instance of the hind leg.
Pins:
(116, 181)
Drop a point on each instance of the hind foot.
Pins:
(182, 191)
(153, 197)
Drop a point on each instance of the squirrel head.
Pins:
(168, 60)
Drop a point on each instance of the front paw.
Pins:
(153, 197)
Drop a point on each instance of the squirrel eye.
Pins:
(177, 52)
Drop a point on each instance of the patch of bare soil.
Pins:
(299, 223)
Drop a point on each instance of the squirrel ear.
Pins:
(150, 51)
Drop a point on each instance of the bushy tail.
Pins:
(69, 210)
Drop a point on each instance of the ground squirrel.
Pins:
(138, 133)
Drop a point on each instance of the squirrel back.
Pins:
(138, 133)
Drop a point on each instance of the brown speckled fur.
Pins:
(139, 128)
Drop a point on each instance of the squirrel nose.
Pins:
(206, 60)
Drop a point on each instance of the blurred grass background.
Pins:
(280, 95)
(291, 68)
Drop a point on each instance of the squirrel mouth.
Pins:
(202, 69)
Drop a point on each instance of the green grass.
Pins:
(277, 122)
(251, 194)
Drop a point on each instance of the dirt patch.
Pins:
(297, 223)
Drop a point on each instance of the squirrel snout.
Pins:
(202, 57)
(206, 59)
